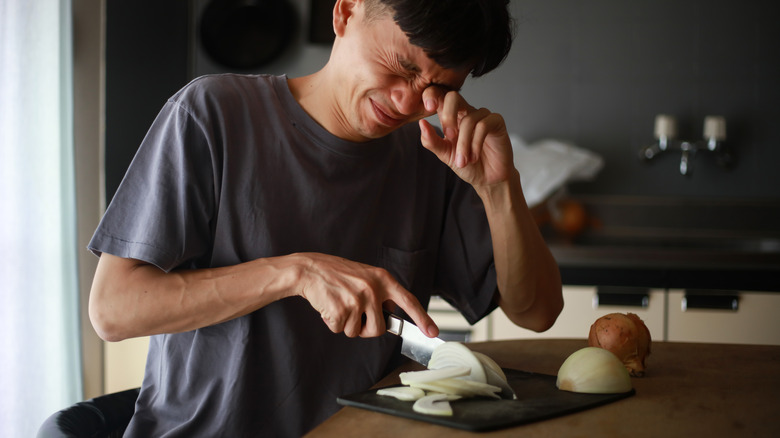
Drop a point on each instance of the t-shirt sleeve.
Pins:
(466, 273)
(162, 210)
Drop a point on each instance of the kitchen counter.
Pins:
(667, 268)
(712, 390)
(671, 243)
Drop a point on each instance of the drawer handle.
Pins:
(697, 301)
(626, 299)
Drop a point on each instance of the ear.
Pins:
(343, 11)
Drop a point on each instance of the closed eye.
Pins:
(412, 71)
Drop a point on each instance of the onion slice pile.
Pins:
(430, 375)
(454, 372)
(404, 393)
(435, 404)
(455, 354)
(464, 388)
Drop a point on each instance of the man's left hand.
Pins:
(475, 144)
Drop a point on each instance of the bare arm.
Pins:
(477, 147)
(131, 298)
(528, 277)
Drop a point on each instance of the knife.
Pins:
(418, 347)
(414, 343)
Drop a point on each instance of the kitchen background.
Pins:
(593, 73)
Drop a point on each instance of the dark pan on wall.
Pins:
(246, 34)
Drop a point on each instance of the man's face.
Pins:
(383, 78)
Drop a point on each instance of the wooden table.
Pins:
(698, 390)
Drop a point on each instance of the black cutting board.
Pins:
(537, 399)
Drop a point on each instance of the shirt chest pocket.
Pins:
(413, 269)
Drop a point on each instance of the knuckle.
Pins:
(352, 301)
(381, 274)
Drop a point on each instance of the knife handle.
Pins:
(393, 323)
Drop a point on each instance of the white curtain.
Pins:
(40, 362)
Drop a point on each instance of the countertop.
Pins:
(691, 389)
(667, 268)
(669, 243)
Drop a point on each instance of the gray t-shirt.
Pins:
(233, 169)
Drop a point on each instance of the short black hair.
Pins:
(456, 34)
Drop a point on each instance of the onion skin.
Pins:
(626, 336)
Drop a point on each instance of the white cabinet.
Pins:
(453, 326)
(124, 364)
(580, 310)
(755, 320)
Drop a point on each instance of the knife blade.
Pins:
(417, 346)
(414, 343)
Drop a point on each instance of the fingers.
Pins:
(451, 110)
(350, 296)
(441, 147)
(433, 98)
(420, 317)
(465, 128)
(471, 137)
(373, 324)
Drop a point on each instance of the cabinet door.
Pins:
(124, 364)
(580, 311)
(755, 321)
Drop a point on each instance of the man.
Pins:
(265, 222)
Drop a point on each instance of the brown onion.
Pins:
(625, 335)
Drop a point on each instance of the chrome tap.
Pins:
(713, 141)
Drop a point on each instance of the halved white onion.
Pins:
(593, 370)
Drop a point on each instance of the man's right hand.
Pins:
(343, 291)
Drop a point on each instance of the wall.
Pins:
(152, 50)
(88, 141)
(146, 62)
(596, 73)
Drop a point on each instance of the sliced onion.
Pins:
(437, 374)
(435, 404)
(404, 393)
(455, 354)
(454, 372)
(495, 375)
(490, 365)
(464, 388)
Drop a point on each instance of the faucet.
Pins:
(713, 141)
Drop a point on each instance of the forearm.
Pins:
(529, 281)
(130, 298)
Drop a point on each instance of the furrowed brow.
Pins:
(414, 68)
(409, 65)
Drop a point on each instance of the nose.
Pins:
(407, 100)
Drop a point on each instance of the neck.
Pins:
(316, 94)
